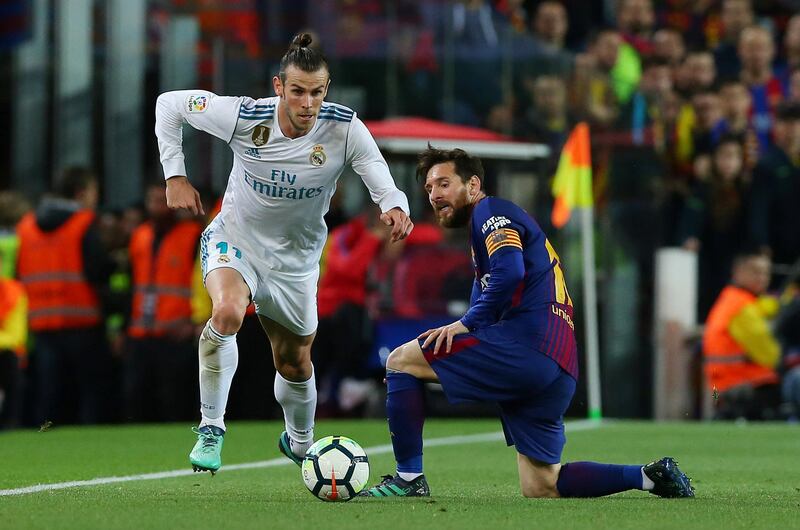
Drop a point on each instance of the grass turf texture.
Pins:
(743, 474)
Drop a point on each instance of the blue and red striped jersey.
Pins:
(519, 282)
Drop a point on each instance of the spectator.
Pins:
(547, 119)
(715, 219)
(756, 52)
(648, 112)
(736, 102)
(774, 220)
(736, 15)
(65, 269)
(794, 86)
(160, 349)
(12, 207)
(549, 28)
(594, 92)
(669, 46)
(740, 352)
(707, 108)
(696, 72)
(13, 342)
(550, 25)
(694, 80)
(344, 336)
(473, 32)
(635, 21)
(342, 342)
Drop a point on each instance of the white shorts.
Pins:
(290, 299)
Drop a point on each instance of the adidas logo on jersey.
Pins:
(252, 152)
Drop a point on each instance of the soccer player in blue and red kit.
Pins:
(515, 347)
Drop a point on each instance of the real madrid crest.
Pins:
(318, 156)
(260, 135)
(223, 258)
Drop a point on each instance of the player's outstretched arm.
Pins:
(181, 194)
(400, 222)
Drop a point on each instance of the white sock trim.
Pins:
(296, 384)
(217, 337)
(647, 484)
(408, 477)
(216, 422)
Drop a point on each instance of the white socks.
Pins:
(647, 484)
(219, 356)
(408, 477)
(299, 403)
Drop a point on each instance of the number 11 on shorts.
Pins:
(222, 246)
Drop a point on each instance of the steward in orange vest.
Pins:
(162, 266)
(13, 317)
(64, 267)
(739, 349)
(51, 268)
(13, 340)
(160, 365)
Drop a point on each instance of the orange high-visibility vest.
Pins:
(11, 294)
(162, 283)
(726, 363)
(50, 266)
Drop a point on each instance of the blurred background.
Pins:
(695, 134)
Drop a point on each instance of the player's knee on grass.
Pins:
(538, 490)
(537, 479)
(227, 317)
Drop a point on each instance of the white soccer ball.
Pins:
(335, 469)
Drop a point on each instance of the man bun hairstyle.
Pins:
(466, 165)
(301, 54)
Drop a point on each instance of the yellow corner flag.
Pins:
(572, 185)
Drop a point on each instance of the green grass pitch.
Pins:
(747, 476)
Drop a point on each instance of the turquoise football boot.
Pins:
(207, 452)
(285, 447)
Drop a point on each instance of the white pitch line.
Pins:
(580, 425)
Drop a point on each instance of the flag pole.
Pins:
(572, 189)
(590, 305)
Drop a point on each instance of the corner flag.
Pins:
(572, 188)
(572, 185)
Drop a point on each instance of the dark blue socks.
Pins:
(590, 479)
(406, 412)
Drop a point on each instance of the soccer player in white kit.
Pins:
(265, 244)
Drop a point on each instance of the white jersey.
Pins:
(279, 188)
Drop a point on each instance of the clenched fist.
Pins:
(181, 194)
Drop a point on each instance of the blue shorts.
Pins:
(531, 389)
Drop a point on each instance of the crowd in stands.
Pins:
(694, 109)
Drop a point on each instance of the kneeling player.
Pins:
(515, 347)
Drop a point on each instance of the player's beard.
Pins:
(460, 216)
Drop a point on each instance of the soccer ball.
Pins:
(335, 469)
